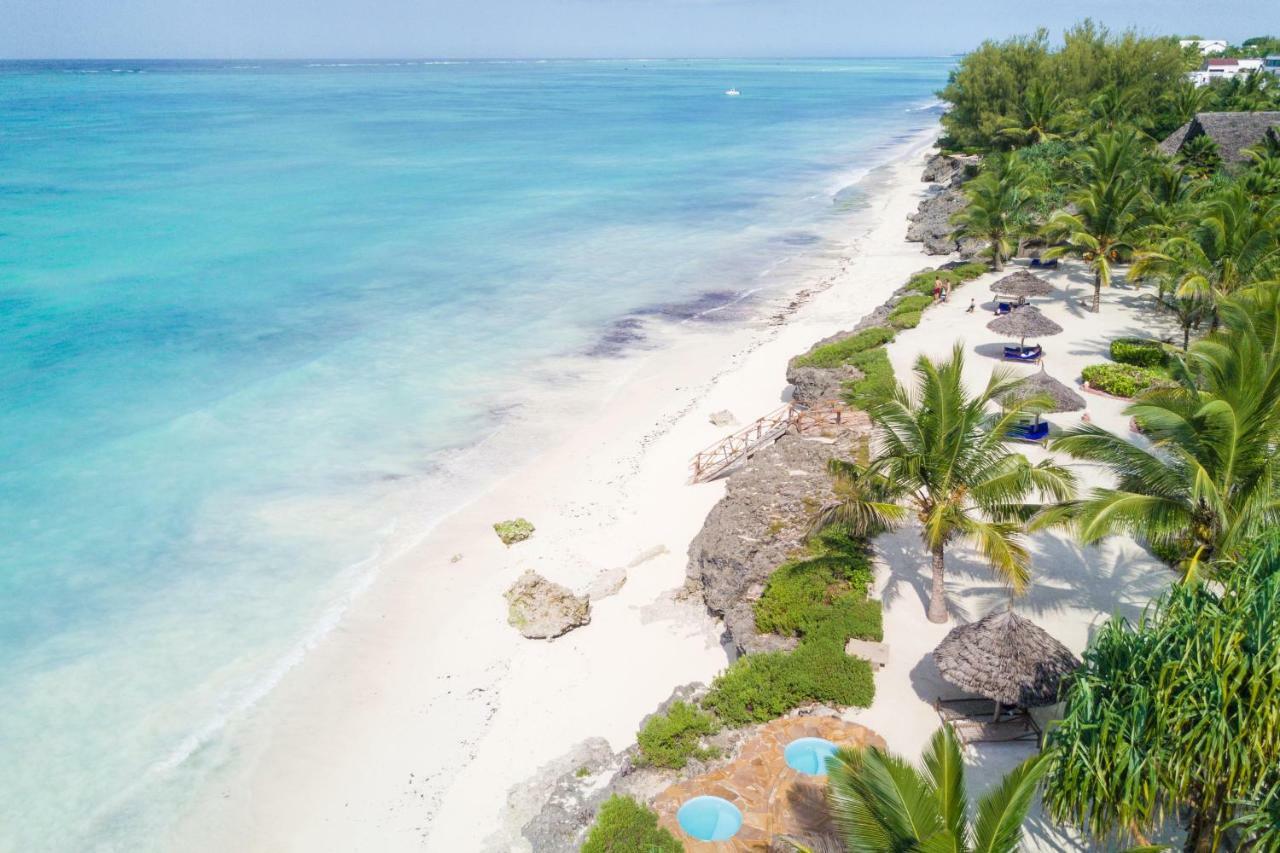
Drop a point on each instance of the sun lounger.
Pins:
(1004, 307)
(1030, 432)
(1036, 262)
(973, 721)
(1024, 353)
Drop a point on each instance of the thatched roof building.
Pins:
(1025, 321)
(1232, 132)
(1005, 658)
(1022, 283)
(1041, 384)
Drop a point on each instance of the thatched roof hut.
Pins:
(1005, 658)
(1024, 322)
(1231, 132)
(1041, 384)
(1022, 284)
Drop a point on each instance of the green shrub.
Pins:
(671, 739)
(1122, 380)
(909, 320)
(908, 304)
(1143, 352)
(969, 271)
(760, 687)
(515, 530)
(877, 374)
(922, 282)
(624, 826)
(840, 352)
(802, 594)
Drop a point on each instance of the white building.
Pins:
(1224, 69)
(1272, 64)
(1206, 46)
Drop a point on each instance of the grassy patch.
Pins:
(802, 594)
(1123, 380)
(906, 320)
(922, 282)
(908, 304)
(841, 352)
(877, 374)
(760, 687)
(624, 826)
(671, 739)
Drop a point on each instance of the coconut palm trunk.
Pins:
(938, 593)
(1097, 292)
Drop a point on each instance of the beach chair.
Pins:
(1036, 262)
(1024, 354)
(1034, 433)
(973, 722)
(1004, 307)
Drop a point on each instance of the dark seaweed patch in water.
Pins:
(712, 306)
(800, 238)
(621, 334)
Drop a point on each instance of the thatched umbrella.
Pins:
(1024, 322)
(1006, 658)
(1022, 284)
(1042, 384)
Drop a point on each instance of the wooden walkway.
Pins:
(793, 418)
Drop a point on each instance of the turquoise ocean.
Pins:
(252, 314)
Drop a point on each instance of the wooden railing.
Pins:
(793, 418)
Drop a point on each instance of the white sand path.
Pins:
(1075, 589)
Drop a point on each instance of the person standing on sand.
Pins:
(972, 304)
(937, 289)
(946, 293)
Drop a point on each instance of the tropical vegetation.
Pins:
(943, 459)
(1179, 714)
(882, 802)
(624, 826)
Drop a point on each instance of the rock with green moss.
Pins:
(513, 531)
(542, 610)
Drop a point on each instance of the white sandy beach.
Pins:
(407, 726)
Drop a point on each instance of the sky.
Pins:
(266, 29)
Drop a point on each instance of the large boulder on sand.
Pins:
(541, 610)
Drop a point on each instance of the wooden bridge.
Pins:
(795, 418)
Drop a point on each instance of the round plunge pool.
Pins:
(709, 818)
(809, 755)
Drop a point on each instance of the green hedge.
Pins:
(671, 739)
(624, 826)
(1122, 380)
(841, 352)
(908, 320)
(1142, 352)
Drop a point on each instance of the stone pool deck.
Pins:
(774, 799)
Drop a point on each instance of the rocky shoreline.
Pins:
(763, 518)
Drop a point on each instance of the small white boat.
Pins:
(732, 92)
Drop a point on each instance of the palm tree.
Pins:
(881, 802)
(1043, 115)
(998, 200)
(1229, 244)
(1186, 101)
(1114, 108)
(1211, 481)
(941, 453)
(1111, 212)
(1201, 156)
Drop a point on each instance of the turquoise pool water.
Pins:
(710, 818)
(255, 314)
(809, 755)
